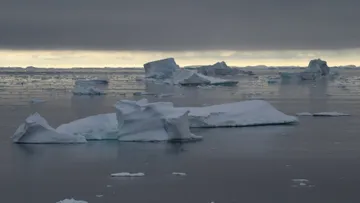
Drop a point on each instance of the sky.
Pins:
(66, 33)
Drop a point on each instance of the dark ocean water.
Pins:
(231, 165)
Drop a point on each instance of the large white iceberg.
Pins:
(141, 121)
(36, 130)
(161, 69)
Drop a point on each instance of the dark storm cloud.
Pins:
(179, 24)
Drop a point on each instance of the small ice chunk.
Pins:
(36, 101)
(84, 90)
(127, 174)
(304, 114)
(72, 201)
(179, 174)
(330, 114)
(98, 196)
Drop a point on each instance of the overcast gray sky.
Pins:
(176, 25)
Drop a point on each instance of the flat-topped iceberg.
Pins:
(169, 72)
(87, 90)
(36, 130)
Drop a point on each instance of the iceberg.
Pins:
(36, 130)
(87, 90)
(141, 121)
(161, 69)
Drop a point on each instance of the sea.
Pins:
(314, 161)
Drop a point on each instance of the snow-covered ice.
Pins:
(36, 130)
(87, 90)
(127, 174)
(331, 114)
(72, 201)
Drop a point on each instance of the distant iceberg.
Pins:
(36, 130)
(169, 72)
(87, 90)
(221, 68)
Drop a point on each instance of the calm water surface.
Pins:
(231, 165)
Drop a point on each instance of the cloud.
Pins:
(173, 25)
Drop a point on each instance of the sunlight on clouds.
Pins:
(56, 58)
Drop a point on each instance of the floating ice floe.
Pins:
(36, 130)
(72, 201)
(87, 90)
(91, 81)
(127, 174)
(169, 72)
(330, 114)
